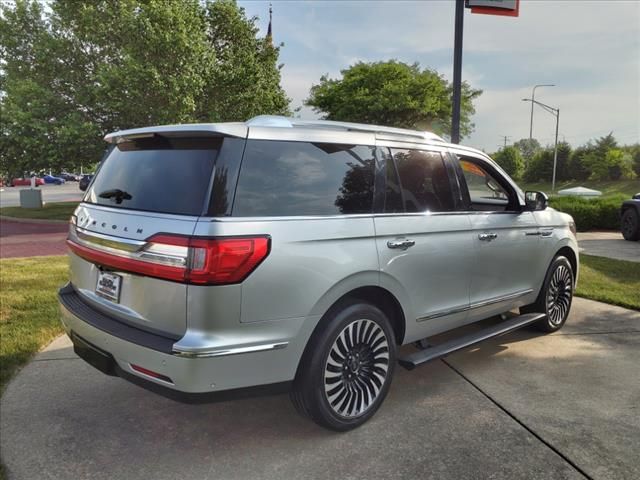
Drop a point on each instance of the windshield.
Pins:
(156, 174)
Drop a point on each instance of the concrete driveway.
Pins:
(565, 405)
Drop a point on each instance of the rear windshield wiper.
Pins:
(116, 193)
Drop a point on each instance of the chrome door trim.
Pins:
(484, 303)
(444, 313)
(502, 298)
(229, 351)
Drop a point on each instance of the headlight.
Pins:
(572, 227)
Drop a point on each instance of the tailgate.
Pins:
(153, 304)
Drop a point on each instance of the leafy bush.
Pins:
(590, 214)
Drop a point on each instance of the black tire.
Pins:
(630, 225)
(346, 370)
(555, 297)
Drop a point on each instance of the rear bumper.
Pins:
(227, 374)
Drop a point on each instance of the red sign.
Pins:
(506, 8)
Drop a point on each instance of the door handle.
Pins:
(401, 244)
(487, 237)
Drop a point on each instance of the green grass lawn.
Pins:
(50, 211)
(627, 187)
(29, 312)
(610, 281)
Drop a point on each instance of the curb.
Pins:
(33, 220)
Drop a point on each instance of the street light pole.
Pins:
(556, 113)
(555, 153)
(533, 99)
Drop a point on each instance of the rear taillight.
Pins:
(197, 260)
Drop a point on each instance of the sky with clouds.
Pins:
(589, 48)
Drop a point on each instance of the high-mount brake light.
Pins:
(195, 260)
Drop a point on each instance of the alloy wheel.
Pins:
(559, 295)
(356, 368)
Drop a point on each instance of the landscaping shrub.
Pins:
(590, 214)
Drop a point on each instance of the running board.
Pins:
(437, 351)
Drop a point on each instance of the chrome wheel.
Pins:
(356, 368)
(559, 295)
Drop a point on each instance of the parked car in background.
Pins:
(299, 256)
(85, 181)
(70, 177)
(630, 225)
(54, 180)
(25, 182)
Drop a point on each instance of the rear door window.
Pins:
(424, 183)
(156, 174)
(279, 178)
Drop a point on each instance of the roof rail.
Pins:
(286, 122)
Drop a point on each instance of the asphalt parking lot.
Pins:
(565, 405)
(69, 192)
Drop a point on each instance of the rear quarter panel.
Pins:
(309, 257)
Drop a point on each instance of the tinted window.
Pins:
(393, 192)
(296, 178)
(424, 182)
(156, 174)
(484, 191)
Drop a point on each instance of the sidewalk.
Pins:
(26, 239)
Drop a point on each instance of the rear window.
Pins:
(156, 174)
(279, 178)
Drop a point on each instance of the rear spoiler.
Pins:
(236, 129)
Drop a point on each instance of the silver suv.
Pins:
(216, 260)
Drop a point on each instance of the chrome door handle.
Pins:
(487, 237)
(401, 244)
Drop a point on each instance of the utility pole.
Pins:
(506, 138)
(457, 72)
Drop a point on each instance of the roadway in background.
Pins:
(69, 192)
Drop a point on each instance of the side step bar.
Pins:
(437, 351)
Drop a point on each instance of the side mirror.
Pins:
(535, 200)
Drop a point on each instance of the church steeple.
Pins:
(269, 29)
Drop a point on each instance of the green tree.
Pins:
(25, 100)
(604, 144)
(528, 148)
(245, 78)
(510, 159)
(615, 165)
(83, 68)
(392, 93)
(634, 151)
(579, 162)
(541, 166)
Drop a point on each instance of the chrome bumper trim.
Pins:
(231, 351)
